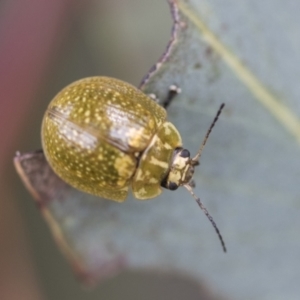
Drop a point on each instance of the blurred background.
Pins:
(45, 45)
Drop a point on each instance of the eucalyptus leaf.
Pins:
(235, 52)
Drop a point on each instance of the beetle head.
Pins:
(182, 170)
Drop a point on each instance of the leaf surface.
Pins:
(234, 52)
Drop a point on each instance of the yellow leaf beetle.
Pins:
(102, 135)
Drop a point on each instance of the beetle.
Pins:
(102, 136)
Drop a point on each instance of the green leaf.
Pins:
(235, 52)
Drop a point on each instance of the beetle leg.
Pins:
(174, 90)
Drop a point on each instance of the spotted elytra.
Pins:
(102, 136)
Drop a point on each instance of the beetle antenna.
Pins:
(197, 156)
(188, 187)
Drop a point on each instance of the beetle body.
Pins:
(102, 135)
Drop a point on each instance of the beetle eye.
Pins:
(173, 186)
(185, 153)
